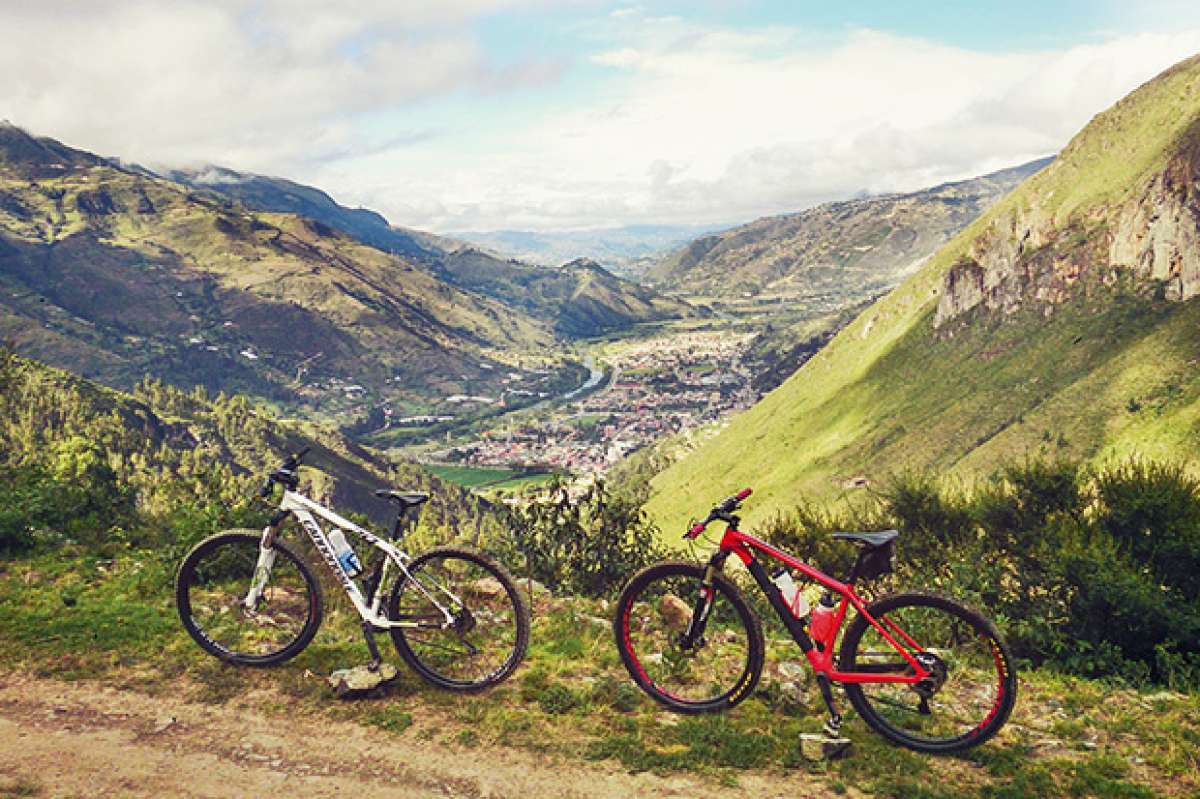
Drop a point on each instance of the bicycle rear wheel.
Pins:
(214, 582)
(972, 688)
(712, 674)
(487, 633)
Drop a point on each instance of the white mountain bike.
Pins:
(454, 615)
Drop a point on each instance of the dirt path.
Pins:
(78, 739)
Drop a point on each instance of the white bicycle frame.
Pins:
(306, 511)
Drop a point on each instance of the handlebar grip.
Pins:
(745, 492)
(696, 530)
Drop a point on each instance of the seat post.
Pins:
(398, 528)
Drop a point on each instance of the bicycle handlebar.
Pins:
(719, 513)
(286, 473)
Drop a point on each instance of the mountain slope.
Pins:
(160, 441)
(869, 244)
(114, 273)
(579, 298)
(1060, 322)
(262, 193)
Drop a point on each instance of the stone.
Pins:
(814, 746)
(487, 587)
(726, 636)
(792, 672)
(358, 681)
(675, 612)
(163, 723)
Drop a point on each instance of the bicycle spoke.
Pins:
(215, 584)
(480, 636)
(963, 688)
(700, 671)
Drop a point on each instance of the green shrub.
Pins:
(587, 545)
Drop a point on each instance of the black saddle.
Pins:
(405, 499)
(871, 540)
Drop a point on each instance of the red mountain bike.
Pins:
(921, 669)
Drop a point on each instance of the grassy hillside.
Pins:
(170, 448)
(1054, 322)
(115, 274)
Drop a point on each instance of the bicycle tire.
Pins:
(400, 637)
(742, 686)
(1001, 659)
(185, 578)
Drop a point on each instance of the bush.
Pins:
(80, 499)
(588, 545)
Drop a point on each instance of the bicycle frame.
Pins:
(306, 512)
(819, 653)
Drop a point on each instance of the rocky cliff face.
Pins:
(1159, 234)
(1030, 257)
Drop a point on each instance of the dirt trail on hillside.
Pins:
(79, 739)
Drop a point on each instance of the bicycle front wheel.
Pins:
(710, 674)
(972, 685)
(467, 625)
(242, 609)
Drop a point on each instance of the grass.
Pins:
(573, 700)
(479, 477)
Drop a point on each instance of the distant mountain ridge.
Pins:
(628, 250)
(1061, 323)
(872, 243)
(262, 193)
(114, 273)
(576, 298)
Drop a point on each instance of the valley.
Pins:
(660, 384)
(496, 373)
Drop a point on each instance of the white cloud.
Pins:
(684, 124)
(715, 125)
(260, 84)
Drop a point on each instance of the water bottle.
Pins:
(344, 554)
(792, 596)
(821, 624)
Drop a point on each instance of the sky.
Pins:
(456, 115)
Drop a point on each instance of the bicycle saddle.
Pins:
(406, 499)
(870, 539)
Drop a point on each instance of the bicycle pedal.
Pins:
(819, 746)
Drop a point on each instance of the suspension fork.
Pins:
(704, 602)
(265, 562)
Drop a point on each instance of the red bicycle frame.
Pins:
(819, 653)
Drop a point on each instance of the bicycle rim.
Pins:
(972, 687)
(711, 674)
(214, 584)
